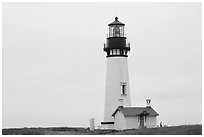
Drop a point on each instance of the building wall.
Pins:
(132, 123)
(116, 72)
(151, 122)
(119, 121)
(107, 126)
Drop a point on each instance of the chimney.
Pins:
(148, 103)
(120, 102)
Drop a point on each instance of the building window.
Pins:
(123, 88)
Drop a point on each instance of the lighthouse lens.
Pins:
(116, 31)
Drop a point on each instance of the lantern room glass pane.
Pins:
(116, 31)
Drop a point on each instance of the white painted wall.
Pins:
(107, 126)
(151, 122)
(116, 72)
(132, 123)
(119, 121)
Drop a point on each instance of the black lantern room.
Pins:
(116, 41)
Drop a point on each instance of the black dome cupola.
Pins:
(116, 41)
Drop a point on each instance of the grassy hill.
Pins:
(174, 130)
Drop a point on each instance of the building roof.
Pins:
(116, 22)
(135, 111)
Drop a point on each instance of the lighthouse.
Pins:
(117, 91)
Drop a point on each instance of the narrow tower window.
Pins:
(123, 88)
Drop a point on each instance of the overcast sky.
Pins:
(54, 66)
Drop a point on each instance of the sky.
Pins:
(54, 67)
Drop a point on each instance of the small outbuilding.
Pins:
(135, 117)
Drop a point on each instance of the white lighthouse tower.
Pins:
(117, 92)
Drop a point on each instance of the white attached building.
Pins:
(134, 117)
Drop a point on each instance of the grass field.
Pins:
(174, 130)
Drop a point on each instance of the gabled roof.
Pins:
(116, 22)
(135, 111)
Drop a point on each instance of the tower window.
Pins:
(123, 88)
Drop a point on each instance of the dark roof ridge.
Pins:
(135, 107)
(134, 111)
